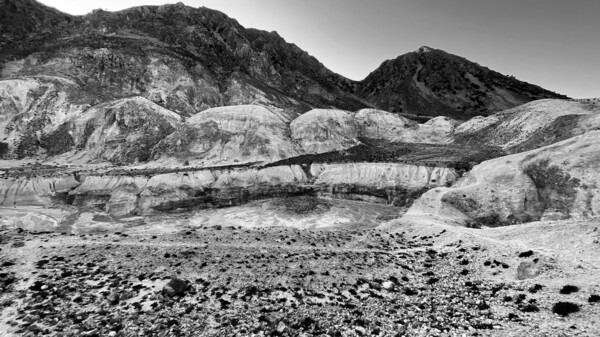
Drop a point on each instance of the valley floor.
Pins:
(413, 278)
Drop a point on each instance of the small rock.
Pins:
(281, 327)
(113, 298)
(175, 287)
(388, 285)
(527, 270)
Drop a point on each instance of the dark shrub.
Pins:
(568, 289)
(3, 149)
(301, 204)
(565, 308)
(594, 299)
(526, 254)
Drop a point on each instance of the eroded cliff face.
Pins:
(121, 195)
(555, 182)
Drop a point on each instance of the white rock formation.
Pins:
(227, 135)
(324, 130)
(558, 179)
(516, 126)
(381, 124)
(383, 175)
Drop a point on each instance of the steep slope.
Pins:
(432, 82)
(185, 59)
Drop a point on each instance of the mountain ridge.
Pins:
(235, 65)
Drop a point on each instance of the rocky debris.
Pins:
(252, 282)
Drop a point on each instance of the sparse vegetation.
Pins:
(565, 308)
(304, 204)
(381, 151)
(569, 289)
(3, 149)
(57, 142)
(556, 188)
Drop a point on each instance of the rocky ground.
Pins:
(221, 280)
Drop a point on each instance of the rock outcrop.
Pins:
(554, 182)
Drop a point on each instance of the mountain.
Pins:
(19, 18)
(191, 59)
(433, 82)
(182, 58)
(148, 84)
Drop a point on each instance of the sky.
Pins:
(552, 43)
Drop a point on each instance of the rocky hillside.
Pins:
(18, 19)
(51, 118)
(185, 59)
(532, 125)
(433, 82)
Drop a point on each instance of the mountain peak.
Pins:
(433, 82)
(424, 49)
